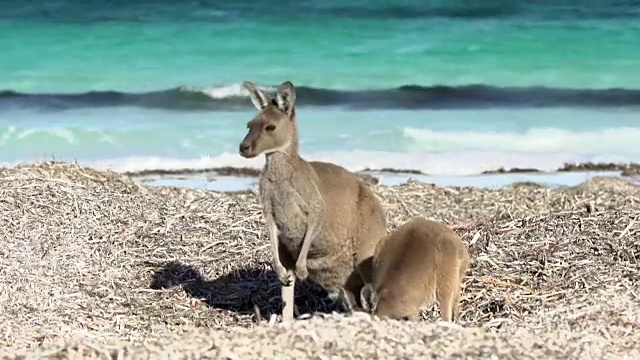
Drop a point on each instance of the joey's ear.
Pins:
(368, 298)
(258, 97)
(286, 97)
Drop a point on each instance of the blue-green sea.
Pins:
(445, 87)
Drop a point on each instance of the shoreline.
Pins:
(231, 179)
(625, 169)
(486, 181)
(246, 180)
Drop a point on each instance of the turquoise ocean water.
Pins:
(440, 86)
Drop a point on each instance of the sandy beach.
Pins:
(95, 265)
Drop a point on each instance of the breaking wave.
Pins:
(234, 97)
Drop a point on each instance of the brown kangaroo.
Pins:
(422, 261)
(323, 221)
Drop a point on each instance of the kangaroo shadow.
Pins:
(241, 291)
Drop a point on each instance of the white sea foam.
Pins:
(39, 135)
(118, 138)
(222, 92)
(619, 140)
(60, 133)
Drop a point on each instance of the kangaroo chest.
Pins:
(288, 209)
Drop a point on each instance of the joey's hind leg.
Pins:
(455, 306)
(446, 298)
(446, 306)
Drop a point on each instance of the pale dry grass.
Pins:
(92, 263)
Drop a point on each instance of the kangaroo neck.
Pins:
(283, 163)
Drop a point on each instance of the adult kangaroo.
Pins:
(323, 221)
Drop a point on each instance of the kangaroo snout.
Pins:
(245, 150)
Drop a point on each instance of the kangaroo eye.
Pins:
(270, 128)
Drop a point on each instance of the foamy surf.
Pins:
(103, 137)
(444, 142)
(619, 140)
(224, 92)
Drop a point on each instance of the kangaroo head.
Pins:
(274, 128)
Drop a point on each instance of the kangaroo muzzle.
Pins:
(246, 150)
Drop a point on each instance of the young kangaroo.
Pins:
(323, 221)
(422, 261)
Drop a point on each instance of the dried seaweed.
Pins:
(92, 262)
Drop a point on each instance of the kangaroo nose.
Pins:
(244, 147)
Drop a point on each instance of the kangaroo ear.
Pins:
(286, 97)
(259, 99)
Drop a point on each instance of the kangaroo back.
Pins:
(422, 261)
(372, 230)
(356, 219)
